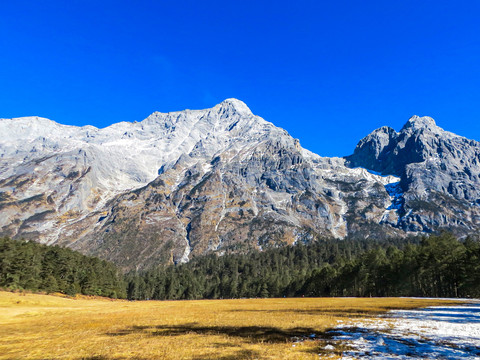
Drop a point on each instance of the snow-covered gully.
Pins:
(448, 332)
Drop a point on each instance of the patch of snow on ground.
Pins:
(448, 332)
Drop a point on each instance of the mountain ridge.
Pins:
(186, 183)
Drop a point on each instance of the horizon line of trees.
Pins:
(434, 266)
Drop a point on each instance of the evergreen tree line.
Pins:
(437, 266)
(27, 265)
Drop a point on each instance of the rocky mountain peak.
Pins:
(208, 120)
(425, 156)
(417, 123)
(389, 152)
(234, 106)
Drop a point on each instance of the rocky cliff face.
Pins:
(439, 174)
(183, 184)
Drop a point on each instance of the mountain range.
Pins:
(183, 184)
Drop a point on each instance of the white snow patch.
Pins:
(224, 201)
(341, 224)
(185, 257)
(375, 176)
(396, 195)
(395, 192)
(444, 332)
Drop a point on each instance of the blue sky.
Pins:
(329, 72)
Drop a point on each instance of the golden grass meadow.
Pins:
(34, 326)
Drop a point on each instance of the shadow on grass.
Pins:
(241, 354)
(347, 313)
(101, 357)
(253, 334)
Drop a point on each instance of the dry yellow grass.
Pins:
(52, 327)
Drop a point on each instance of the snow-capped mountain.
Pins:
(186, 183)
(77, 170)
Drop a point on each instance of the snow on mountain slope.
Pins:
(134, 151)
(122, 156)
(71, 171)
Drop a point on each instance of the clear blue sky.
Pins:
(329, 72)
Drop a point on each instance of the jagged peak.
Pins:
(386, 129)
(235, 104)
(417, 122)
(231, 106)
(382, 130)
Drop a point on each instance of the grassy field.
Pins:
(54, 327)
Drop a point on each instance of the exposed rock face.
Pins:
(439, 173)
(222, 180)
